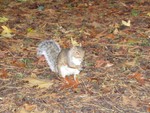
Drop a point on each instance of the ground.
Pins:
(116, 74)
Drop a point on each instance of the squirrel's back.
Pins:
(50, 49)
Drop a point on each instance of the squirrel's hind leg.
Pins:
(76, 81)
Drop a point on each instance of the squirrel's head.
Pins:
(77, 52)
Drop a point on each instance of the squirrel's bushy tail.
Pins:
(50, 49)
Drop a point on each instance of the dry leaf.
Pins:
(148, 109)
(3, 19)
(18, 64)
(99, 63)
(74, 42)
(148, 13)
(16, 48)
(30, 107)
(109, 64)
(116, 31)
(128, 23)
(26, 108)
(138, 77)
(111, 36)
(35, 34)
(6, 32)
(131, 63)
(3, 73)
(38, 82)
(21, 110)
(106, 89)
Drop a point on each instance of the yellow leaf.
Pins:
(3, 19)
(74, 42)
(6, 29)
(148, 13)
(6, 32)
(40, 83)
(128, 23)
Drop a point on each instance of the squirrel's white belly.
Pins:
(65, 70)
(76, 61)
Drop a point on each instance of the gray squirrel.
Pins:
(65, 62)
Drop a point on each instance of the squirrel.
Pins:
(65, 62)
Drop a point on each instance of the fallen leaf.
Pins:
(21, 110)
(33, 75)
(26, 108)
(30, 30)
(130, 63)
(17, 47)
(106, 89)
(18, 63)
(3, 19)
(74, 42)
(126, 23)
(108, 64)
(99, 63)
(111, 36)
(6, 32)
(116, 31)
(34, 34)
(38, 82)
(3, 73)
(148, 109)
(148, 13)
(138, 77)
(29, 107)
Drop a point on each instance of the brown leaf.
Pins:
(18, 64)
(16, 47)
(3, 73)
(99, 63)
(138, 77)
(111, 36)
(29, 107)
(148, 109)
(106, 89)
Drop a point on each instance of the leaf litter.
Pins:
(115, 35)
